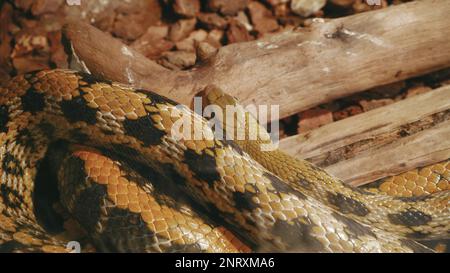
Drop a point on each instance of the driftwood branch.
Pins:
(295, 69)
(305, 67)
(386, 141)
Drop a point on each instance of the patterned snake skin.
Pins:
(133, 187)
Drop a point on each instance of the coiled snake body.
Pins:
(134, 187)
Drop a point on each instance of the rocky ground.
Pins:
(178, 33)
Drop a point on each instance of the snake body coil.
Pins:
(134, 187)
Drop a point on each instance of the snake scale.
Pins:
(133, 187)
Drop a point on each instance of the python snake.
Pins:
(134, 187)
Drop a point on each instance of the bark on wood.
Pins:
(385, 141)
(296, 69)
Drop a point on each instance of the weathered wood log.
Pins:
(296, 69)
(385, 141)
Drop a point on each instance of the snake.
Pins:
(133, 185)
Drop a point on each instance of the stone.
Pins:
(45, 6)
(178, 59)
(153, 42)
(30, 63)
(307, 8)
(262, 18)
(212, 20)
(181, 29)
(281, 10)
(389, 90)
(205, 50)
(133, 20)
(27, 43)
(347, 112)
(343, 3)
(227, 7)
(362, 6)
(188, 44)
(130, 26)
(23, 4)
(313, 118)
(417, 90)
(274, 3)
(243, 19)
(4, 76)
(57, 54)
(368, 105)
(215, 37)
(6, 17)
(237, 32)
(188, 8)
